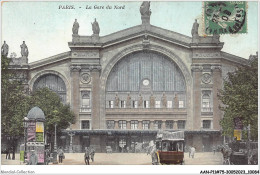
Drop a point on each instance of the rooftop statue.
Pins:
(24, 50)
(195, 29)
(95, 27)
(4, 49)
(75, 28)
(145, 8)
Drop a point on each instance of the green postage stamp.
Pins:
(225, 17)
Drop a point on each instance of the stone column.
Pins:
(151, 124)
(197, 72)
(217, 84)
(95, 105)
(140, 125)
(116, 125)
(175, 126)
(75, 96)
(71, 142)
(163, 124)
(128, 125)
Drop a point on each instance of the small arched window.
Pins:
(205, 101)
(86, 100)
(206, 106)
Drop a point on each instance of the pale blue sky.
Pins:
(46, 29)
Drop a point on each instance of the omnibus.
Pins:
(170, 147)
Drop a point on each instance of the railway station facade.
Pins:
(125, 86)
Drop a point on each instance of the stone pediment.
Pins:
(89, 46)
(50, 60)
(129, 34)
(234, 58)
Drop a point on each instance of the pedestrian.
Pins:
(7, 153)
(33, 158)
(192, 151)
(86, 156)
(189, 149)
(92, 153)
(214, 149)
(47, 156)
(60, 154)
(154, 155)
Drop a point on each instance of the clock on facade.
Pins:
(146, 82)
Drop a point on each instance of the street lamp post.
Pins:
(25, 124)
(55, 147)
(71, 134)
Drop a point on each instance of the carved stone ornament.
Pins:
(88, 54)
(85, 78)
(75, 68)
(206, 78)
(206, 55)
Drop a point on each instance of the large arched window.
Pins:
(145, 69)
(145, 76)
(54, 83)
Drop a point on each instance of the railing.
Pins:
(146, 109)
(85, 109)
(206, 109)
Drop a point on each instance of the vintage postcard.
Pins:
(147, 83)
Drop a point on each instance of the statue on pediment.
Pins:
(145, 8)
(195, 29)
(140, 101)
(152, 101)
(24, 50)
(116, 101)
(164, 101)
(95, 27)
(75, 28)
(4, 49)
(176, 101)
(128, 101)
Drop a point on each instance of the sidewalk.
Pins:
(207, 158)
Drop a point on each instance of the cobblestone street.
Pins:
(207, 158)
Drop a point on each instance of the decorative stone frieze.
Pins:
(86, 54)
(146, 42)
(196, 68)
(95, 68)
(216, 67)
(206, 55)
(75, 68)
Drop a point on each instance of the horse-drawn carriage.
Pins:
(168, 148)
(240, 153)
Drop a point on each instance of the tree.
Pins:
(14, 105)
(240, 99)
(54, 110)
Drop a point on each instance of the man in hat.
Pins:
(86, 156)
(92, 153)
